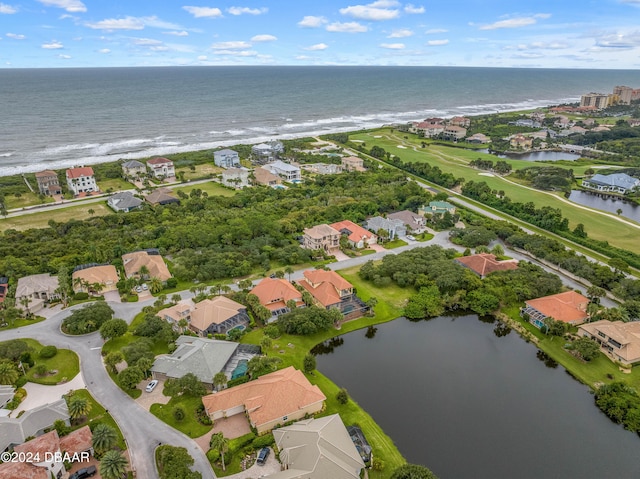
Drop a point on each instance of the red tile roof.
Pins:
(274, 293)
(49, 442)
(324, 286)
(485, 263)
(77, 441)
(159, 161)
(45, 173)
(23, 470)
(358, 233)
(569, 307)
(79, 172)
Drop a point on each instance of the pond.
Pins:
(470, 399)
(593, 200)
(543, 156)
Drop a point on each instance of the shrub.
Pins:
(263, 441)
(342, 396)
(235, 382)
(178, 413)
(272, 331)
(81, 296)
(172, 283)
(213, 455)
(48, 352)
(22, 380)
(40, 370)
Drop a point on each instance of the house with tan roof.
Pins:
(321, 237)
(317, 449)
(569, 307)
(38, 289)
(460, 121)
(266, 178)
(620, 341)
(414, 222)
(275, 293)
(161, 196)
(330, 290)
(85, 277)
(453, 132)
(521, 142)
(152, 260)
(211, 316)
(478, 138)
(485, 263)
(357, 235)
(81, 180)
(269, 401)
(176, 313)
(161, 168)
(48, 183)
(352, 163)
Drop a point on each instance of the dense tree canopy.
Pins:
(87, 319)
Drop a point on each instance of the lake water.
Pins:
(466, 403)
(543, 156)
(629, 210)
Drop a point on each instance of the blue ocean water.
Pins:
(52, 118)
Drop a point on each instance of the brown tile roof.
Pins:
(49, 442)
(324, 286)
(177, 311)
(627, 334)
(159, 161)
(569, 307)
(485, 263)
(79, 440)
(358, 233)
(409, 218)
(78, 172)
(161, 195)
(268, 398)
(274, 293)
(265, 177)
(45, 173)
(106, 274)
(154, 262)
(320, 231)
(214, 311)
(23, 470)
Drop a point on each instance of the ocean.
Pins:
(55, 118)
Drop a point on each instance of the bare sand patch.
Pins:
(402, 147)
(486, 174)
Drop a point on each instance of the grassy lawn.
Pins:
(423, 237)
(211, 188)
(98, 414)
(366, 252)
(396, 243)
(189, 425)
(204, 170)
(26, 199)
(114, 184)
(65, 362)
(41, 219)
(21, 322)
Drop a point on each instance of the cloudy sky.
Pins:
(499, 33)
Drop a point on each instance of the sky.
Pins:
(494, 33)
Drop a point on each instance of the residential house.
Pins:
(394, 228)
(178, 312)
(321, 237)
(633, 122)
(426, 129)
(352, 163)
(485, 263)
(226, 158)
(275, 293)
(124, 201)
(81, 180)
(569, 307)
(38, 289)
(153, 261)
(133, 169)
(266, 178)
(434, 121)
(330, 290)
(236, 178)
(562, 122)
(413, 222)
(34, 422)
(199, 356)
(6, 394)
(48, 183)
(521, 142)
(577, 129)
(161, 168)
(601, 128)
(25, 470)
(85, 277)
(4, 288)
(266, 152)
(161, 196)
(317, 449)
(211, 316)
(621, 341)
(322, 168)
(452, 132)
(358, 236)
(437, 208)
(286, 171)
(460, 121)
(268, 401)
(616, 183)
(479, 138)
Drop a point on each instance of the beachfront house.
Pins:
(286, 171)
(267, 152)
(48, 183)
(133, 169)
(81, 180)
(266, 178)
(161, 168)
(237, 178)
(226, 158)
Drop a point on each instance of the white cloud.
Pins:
(155, 22)
(146, 41)
(632, 2)
(437, 43)
(202, 58)
(348, 27)
(528, 55)
(367, 12)
(392, 46)
(515, 22)
(303, 57)
(384, 4)
(401, 33)
(543, 46)
(64, 57)
(7, 9)
(203, 12)
(246, 10)
(264, 38)
(317, 47)
(408, 8)
(52, 46)
(236, 53)
(159, 48)
(127, 23)
(16, 36)
(238, 45)
(434, 31)
(622, 41)
(104, 50)
(177, 33)
(68, 5)
(312, 22)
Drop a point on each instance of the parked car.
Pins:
(144, 286)
(151, 386)
(263, 455)
(84, 473)
(409, 237)
(138, 289)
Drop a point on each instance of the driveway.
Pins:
(340, 256)
(39, 394)
(270, 467)
(147, 399)
(377, 247)
(113, 296)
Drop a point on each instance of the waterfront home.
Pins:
(413, 222)
(352, 163)
(268, 401)
(124, 201)
(286, 171)
(485, 263)
(133, 169)
(85, 278)
(151, 260)
(615, 183)
(226, 158)
(620, 341)
(236, 178)
(266, 178)
(321, 237)
(462, 121)
(479, 138)
(81, 180)
(569, 307)
(330, 290)
(161, 196)
(521, 142)
(48, 183)
(31, 423)
(394, 227)
(266, 152)
(275, 293)
(35, 290)
(317, 449)
(211, 316)
(452, 132)
(426, 129)
(161, 168)
(358, 236)
(437, 208)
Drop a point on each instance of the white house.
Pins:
(161, 168)
(286, 171)
(81, 180)
(226, 158)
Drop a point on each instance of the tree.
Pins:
(78, 406)
(113, 328)
(219, 380)
(144, 364)
(245, 284)
(8, 372)
(143, 272)
(266, 342)
(587, 348)
(187, 385)
(104, 438)
(113, 465)
(594, 293)
(309, 363)
(619, 265)
(130, 377)
(221, 444)
(112, 359)
(174, 463)
(289, 270)
(498, 250)
(155, 285)
(91, 211)
(343, 396)
(261, 365)
(413, 471)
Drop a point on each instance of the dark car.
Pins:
(263, 455)
(84, 473)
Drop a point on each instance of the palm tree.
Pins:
(289, 271)
(8, 373)
(104, 438)
(78, 407)
(155, 285)
(96, 287)
(143, 272)
(113, 465)
(79, 283)
(220, 444)
(175, 298)
(25, 301)
(219, 380)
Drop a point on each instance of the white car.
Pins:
(151, 386)
(144, 286)
(409, 237)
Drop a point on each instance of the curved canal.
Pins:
(468, 399)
